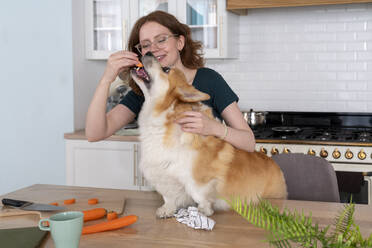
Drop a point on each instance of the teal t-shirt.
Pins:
(207, 81)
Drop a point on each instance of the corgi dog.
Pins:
(188, 168)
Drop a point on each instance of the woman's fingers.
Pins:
(124, 54)
(187, 120)
(194, 125)
(192, 113)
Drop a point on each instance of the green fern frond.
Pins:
(343, 222)
(286, 227)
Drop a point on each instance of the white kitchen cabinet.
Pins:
(211, 24)
(104, 164)
(106, 27)
(108, 24)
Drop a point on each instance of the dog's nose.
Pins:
(149, 54)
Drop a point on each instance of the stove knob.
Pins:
(286, 150)
(263, 150)
(311, 152)
(323, 153)
(362, 155)
(336, 154)
(349, 154)
(274, 151)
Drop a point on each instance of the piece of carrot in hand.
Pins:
(92, 201)
(69, 201)
(110, 225)
(112, 215)
(54, 203)
(139, 64)
(94, 214)
(45, 223)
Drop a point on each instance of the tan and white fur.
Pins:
(187, 168)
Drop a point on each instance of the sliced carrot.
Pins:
(112, 215)
(110, 225)
(54, 203)
(69, 201)
(139, 64)
(92, 201)
(94, 214)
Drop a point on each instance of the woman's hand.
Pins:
(197, 122)
(117, 62)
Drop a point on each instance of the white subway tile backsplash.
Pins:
(356, 46)
(365, 56)
(356, 26)
(346, 36)
(336, 47)
(316, 58)
(335, 27)
(329, 56)
(346, 76)
(336, 66)
(358, 87)
(346, 56)
(364, 76)
(357, 106)
(364, 36)
(357, 66)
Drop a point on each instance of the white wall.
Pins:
(304, 59)
(36, 98)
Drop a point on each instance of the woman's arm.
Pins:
(239, 134)
(100, 125)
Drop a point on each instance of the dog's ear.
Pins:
(187, 93)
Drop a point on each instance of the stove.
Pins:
(344, 139)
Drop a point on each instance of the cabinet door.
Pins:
(210, 23)
(139, 8)
(105, 164)
(106, 27)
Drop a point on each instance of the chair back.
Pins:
(308, 177)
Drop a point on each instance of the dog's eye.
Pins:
(166, 69)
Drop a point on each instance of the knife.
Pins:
(26, 205)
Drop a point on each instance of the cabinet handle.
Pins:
(220, 24)
(124, 34)
(143, 181)
(135, 164)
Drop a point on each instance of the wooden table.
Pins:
(230, 230)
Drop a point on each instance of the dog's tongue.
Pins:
(141, 72)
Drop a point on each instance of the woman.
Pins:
(170, 41)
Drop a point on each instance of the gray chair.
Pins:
(308, 177)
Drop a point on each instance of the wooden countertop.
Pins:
(230, 230)
(80, 135)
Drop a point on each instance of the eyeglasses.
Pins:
(160, 41)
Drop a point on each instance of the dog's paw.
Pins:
(207, 211)
(164, 212)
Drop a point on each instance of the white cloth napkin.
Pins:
(194, 219)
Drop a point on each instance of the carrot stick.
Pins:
(92, 201)
(112, 215)
(139, 64)
(69, 201)
(94, 214)
(110, 225)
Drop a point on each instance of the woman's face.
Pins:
(160, 41)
